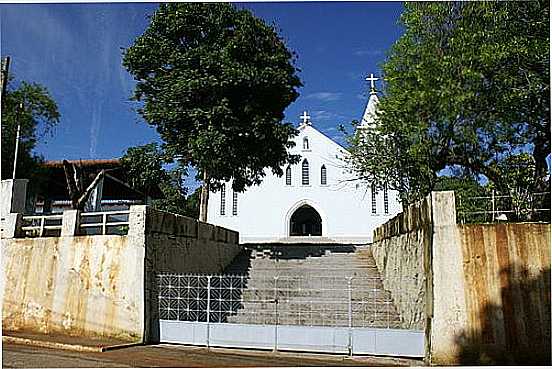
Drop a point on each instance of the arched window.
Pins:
(385, 200)
(373, 199)
(323, 177)
(288, 176)
(305, 143)
(234, 203)
(305, 172)
(223, 199)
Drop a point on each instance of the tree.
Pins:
(215, 81)
(471, 197)
(467, 87)
(30, 105)
(144, 168)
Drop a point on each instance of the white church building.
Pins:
(316, 200)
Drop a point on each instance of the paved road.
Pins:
(164, 355)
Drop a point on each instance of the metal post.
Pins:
(104, 220)
(350, 313)
(493, 206)
(208, 306)
(17, 142)
(459, 207)
(42, 227)
(276, 313)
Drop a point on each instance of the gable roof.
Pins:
(325, 137)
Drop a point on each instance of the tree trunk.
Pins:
(78, 194)
(540, 152)
(204, 198)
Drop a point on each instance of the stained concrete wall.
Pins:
(105, 285)
(399, 254)
(487, 286)
(507, 269)
(86, 285)
(185, 245)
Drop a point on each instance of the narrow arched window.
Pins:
(223, 199)
(288, 176)
(323, 177)
(305, 143)
(234, 203)
(305, 172)
(385, 200)
(373, 199)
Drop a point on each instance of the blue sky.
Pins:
(75, 51)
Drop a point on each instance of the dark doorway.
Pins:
(305, 222)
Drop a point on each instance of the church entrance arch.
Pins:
(305, 221)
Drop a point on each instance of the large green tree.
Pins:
(31, 106)
(215, 81)
(468, 87)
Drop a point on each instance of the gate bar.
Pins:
(350, 313)
(276, 313)
(208, 307)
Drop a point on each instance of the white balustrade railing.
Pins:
(104, 222)
(42, 225)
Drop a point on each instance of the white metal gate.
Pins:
(332, 314)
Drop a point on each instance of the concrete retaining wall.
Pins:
(185, 245)
(487, 286)
(104, 286)
(507, 269)
(399, 254)
(86, 285)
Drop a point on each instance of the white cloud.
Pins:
(367, 52)
(324, 96)
(324, 115)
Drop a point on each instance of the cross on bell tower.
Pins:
(305, 117)
(372, 79)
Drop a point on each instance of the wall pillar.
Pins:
(11, 225)
(449, 316)
(137, 220)
(13, 196)
(70, 223)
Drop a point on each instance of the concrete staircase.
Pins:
(312, 285)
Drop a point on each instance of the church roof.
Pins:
(370, 114)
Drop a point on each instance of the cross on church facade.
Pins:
(305, 117)
(372, 79)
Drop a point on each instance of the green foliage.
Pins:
(215, 81)
(37, 118)
(144, 167)
(467, 86)
(177, 202)
(469, 196)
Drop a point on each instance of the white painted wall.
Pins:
(264, 211)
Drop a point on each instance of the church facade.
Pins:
(317, 199)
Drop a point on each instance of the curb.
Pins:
(48, 344)
(64, 346)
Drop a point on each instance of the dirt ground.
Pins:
(165, 355)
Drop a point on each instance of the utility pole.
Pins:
(4, 76)
(17, 139)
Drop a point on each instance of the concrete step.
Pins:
(312, 290)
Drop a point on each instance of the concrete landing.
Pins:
(308, 240)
